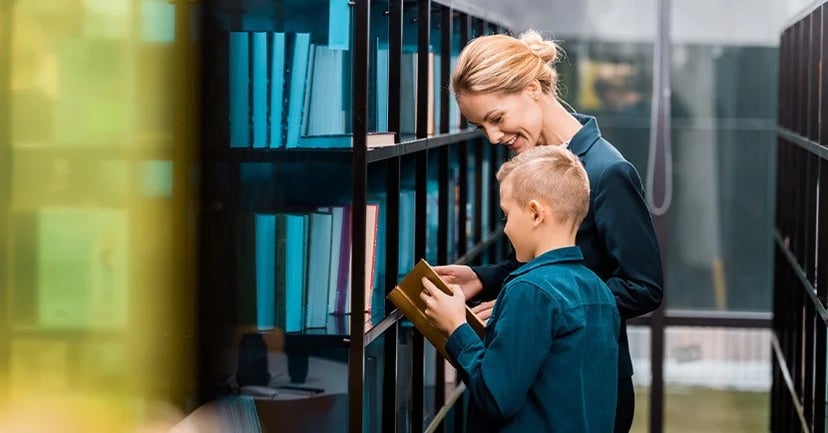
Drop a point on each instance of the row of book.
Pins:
(287, 92)
(294, 268)
(299, 260)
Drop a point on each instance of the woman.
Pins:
(508, 88)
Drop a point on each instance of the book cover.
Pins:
(406, 297)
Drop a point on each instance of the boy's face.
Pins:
(511, 119)
(520, 224)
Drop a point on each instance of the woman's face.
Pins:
(514, 120)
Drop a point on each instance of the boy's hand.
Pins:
(446, 312)
(462, 275)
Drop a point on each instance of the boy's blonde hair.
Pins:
(551, 174)
(502, 63)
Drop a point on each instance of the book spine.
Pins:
(277, 91)
(239, 78)
(259, 93)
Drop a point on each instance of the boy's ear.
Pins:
(537, 212)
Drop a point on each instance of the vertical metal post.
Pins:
(421, 180)
(463, 160)
(356, 355)
(444, 182)
(660, 188)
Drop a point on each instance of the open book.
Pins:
(406, 296)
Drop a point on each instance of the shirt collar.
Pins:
(551, 257)
(586, 136)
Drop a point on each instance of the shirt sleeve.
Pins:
(500, 376)
(492, 276)
(626, 229)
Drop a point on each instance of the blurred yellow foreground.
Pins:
(97, 133)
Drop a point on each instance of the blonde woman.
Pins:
(508, 87)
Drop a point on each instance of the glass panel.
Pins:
(722, 374)
(94, 223)
(612, 80)
(639, 340)
(721, 219)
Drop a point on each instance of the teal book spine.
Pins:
(296, 97)
(239, 77)
(296, 241)
(339, 25)
(277, 91)
(259, 94)
(265, 271)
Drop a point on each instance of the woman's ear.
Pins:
(534, 90)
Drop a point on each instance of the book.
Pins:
(259, 90)
(297, 87)
(406, 297)
(277, 91)
(319, 270)
(239, 77)
(346, 140)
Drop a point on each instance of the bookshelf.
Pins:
(800, 285)
(347, 68)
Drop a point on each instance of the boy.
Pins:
(549, 360)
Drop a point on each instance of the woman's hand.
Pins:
(484, 310)
(462, 276)
(446, 312)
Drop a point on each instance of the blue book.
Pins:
(319, 269)
(325, 94)
(432, 219)
(408, 199)
(296, 97)
(377, 303)
(239, 90)
(339, 21)
(265, 271)
(277, 91)
(259, 72)
(345, 141)
(296, 238)
(382, 88)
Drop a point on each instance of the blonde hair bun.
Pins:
(548, 51)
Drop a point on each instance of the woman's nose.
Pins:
(494, 135)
